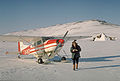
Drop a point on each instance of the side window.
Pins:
(39, 42)
(47, 38)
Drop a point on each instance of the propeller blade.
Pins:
(65, 34)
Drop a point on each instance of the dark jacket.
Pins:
(75, 54)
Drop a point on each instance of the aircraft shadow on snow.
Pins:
(94, 59)
(98, 67)
(97, 59)
(100, 59)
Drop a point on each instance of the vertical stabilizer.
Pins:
(22, 48)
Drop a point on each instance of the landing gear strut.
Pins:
(40, 61)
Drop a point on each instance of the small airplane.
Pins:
(43, 48)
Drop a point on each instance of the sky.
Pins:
(17, 15)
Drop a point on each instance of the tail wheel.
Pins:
(40, 61)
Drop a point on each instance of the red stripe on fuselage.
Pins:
(47, 43)
(42, 48)
(42, 45)
(51, 41)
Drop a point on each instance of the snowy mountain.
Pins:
(89, 27)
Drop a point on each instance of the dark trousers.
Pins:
(76, 60)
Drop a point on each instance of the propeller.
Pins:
(65, 35)
(60, 42)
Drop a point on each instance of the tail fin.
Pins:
(23, 49)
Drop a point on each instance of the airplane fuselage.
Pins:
(39, 48)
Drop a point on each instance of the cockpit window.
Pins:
(47, 38)
(38, 43)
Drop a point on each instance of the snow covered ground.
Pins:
(100, 61)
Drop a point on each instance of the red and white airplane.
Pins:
(43, 48)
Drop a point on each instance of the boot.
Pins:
(76, 66)
(73, 66)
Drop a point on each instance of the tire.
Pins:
(63, 58)
(19, 56)
(40, 61)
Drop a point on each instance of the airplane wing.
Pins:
(15, 38)
(77, 37)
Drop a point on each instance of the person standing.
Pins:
(75, 50)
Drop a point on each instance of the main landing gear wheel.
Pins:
(63, 58)
(40, 61)
(19, 56)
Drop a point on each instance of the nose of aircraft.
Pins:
(61, 41)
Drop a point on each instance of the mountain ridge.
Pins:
(80, 27)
